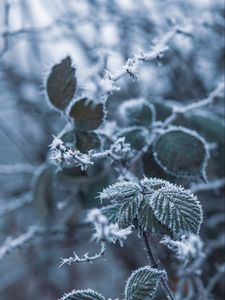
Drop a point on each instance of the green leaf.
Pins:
(137, 112)
(120, 191)
(154, 184)
(128, 212)
(111, 212)
(135, 136)
(83, 295)
(87, 115)
(61, 84)
(152, 169)
(147, 220)
(143, 283)
(177, 209)
(181, 152)
(86, 141)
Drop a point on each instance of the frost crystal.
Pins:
(189, 247)
(105, 231)
(64, 157)
(131, 67)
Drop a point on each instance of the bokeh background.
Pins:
(34, 35)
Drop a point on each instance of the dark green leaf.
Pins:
(61, 84)
(120, 191)
(177, 209)
(87, 115)
(147, 220)
(181, 152)
(83, 295)
(137, 112)
(111, 212)
(143, 283)
(128, 212)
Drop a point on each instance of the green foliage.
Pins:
(137, 112)
(87, 115)
(83, 295)
(143, 283)
(181, 152)
(158, 207)
(120, 191)
(177, 209)
(128, 212)
(61, 84)
(111, 212)
(147, 221)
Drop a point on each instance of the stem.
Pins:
(153, 263)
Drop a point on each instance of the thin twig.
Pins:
(85, 258)
(16, 204)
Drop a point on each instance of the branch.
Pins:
(16, 204)
(85, 258)
(216, 278)
(16, 169)
(209, 100)
(213, 185)
(12, 244)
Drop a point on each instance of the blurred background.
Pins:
(34, 35)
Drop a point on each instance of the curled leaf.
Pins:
(61, 83)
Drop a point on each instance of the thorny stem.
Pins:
(153, 263)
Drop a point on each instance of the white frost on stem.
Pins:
(105, 231)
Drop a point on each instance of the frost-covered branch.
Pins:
(217, 92)
(159, 47)
(12, 244)
(64, 157)
(212, 185)
(85, 258)
(16, 204)
(16, 169)
(31, 234)
(220, 270)
(103, 232)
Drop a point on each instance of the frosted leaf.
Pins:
(137, 112)
(128, 212)
(120, 191)
(181, 152)
(111, 212)
(177, 209)
(147, 220)
(82, 295)
(143, 283)
(154, 184)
